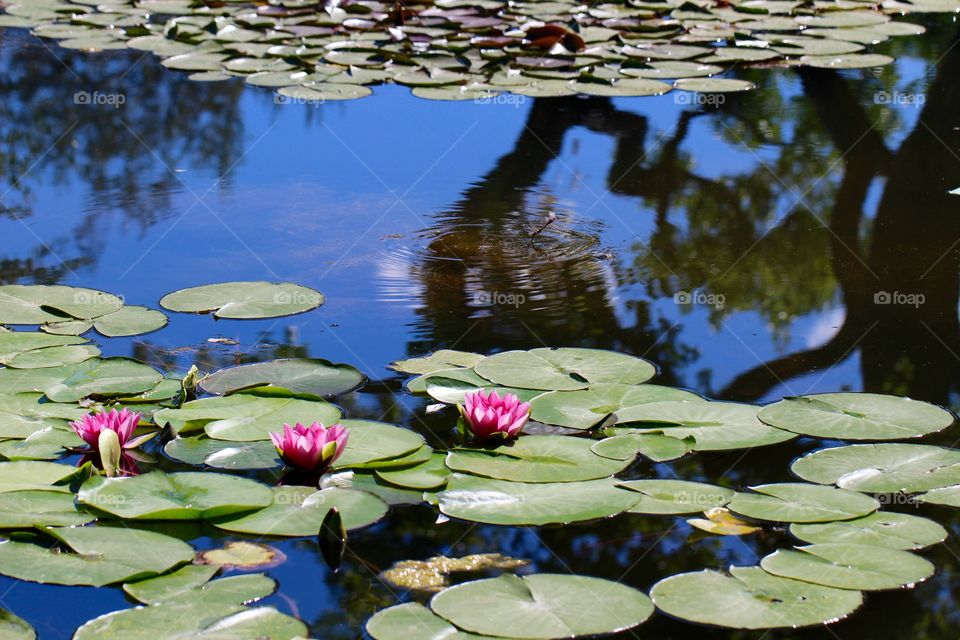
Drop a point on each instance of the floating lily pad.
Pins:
(882, 468)
(800, 502)
(751, 598)
(27, 475)
(654, 446)
(33, 380)
(947, 496)
(563, 369)
(165, 587)
(449, 382)
(537, 459)
(98, 556)
(713, 425)
(543, 606)
(241, 554)
(427, 475)
(676, 496)
(881, 529)
(193, 620)
(244, 300)
(243, 417)
(301, 377)
(519, 503)
(442, 359)
(713, 85)
(370, 442)
(223, 454)
(109, 377)
(15, 628)
(26, 509)
(847, 61)
(48, 443)
(453, 391)
(587, 407)
(130, 321)
(16, 345)
(175, 496)
(299, 511)
(53, 357)
(856, 416)
(413, 621)
(37, 304)
(849, 566)
(233, 590)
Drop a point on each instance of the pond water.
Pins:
(794, 239)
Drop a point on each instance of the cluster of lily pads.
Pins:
(476, 49)
(592, 423)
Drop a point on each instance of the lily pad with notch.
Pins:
(244, 300)
(300, 377)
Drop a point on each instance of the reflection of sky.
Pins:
(322, 193)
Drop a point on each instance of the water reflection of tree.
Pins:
(123, 156)
(821, 149)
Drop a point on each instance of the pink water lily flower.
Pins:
(124, 423)
(489, 416)
(312, 448)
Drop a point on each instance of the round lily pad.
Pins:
(160, 588)
(413, 621)
(537, 459)
(543, 606)
(97, 556)
(301, 377)
(882, 468)
(563, 369)
(26, 509)
(713, 85)
(800, 502)
(676, 496)
(713, 425)
(223, 454)
(299, 511)
(243, 417)
(37, 304)
(751, 598)
(654, 446)
(442, 359)
(198, 619)
(109, 377)
(370, 442)
(947, 496)
(849, 566)
(847, 61)
(881, 529)
(587, 407)
(175, 496)
(184, 585)
(521, 503)
(427, 475)
(15, 345)
(53, 356)
(130, 321)
(856, 416)
(244, 300)
(26, 475)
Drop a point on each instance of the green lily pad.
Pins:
(33, 380)
(654, 446)
(520, 503)
(17, 344)
(26, 509)
(37, 304)
(881, 529)
(29, 405)
(200, 620)
(563, 369)
(130, 321)
(370, 442)
(713, 85)
(97, 556)
(15, 628)
(244, 300)
(109, 377)
(801, 502)
(53, 357)
(674, 497)
(48, 443)
(301, 377)
(453, 391)
(882, 468)
(175, 496)
(68, 327)
(849, 566)
(450, 382)
(183, 580)
(537, 459)
(847, 61)
(587, 407)
(442, 359)
(17, 426)
(543, 606)
(947, 496)
(856, 416)
(223, 454)
(751, 598)
(192, 583)
(26, 475)
(715, 426)
(413, 621)
(427, 475)
(243, 417)
(299, 511)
